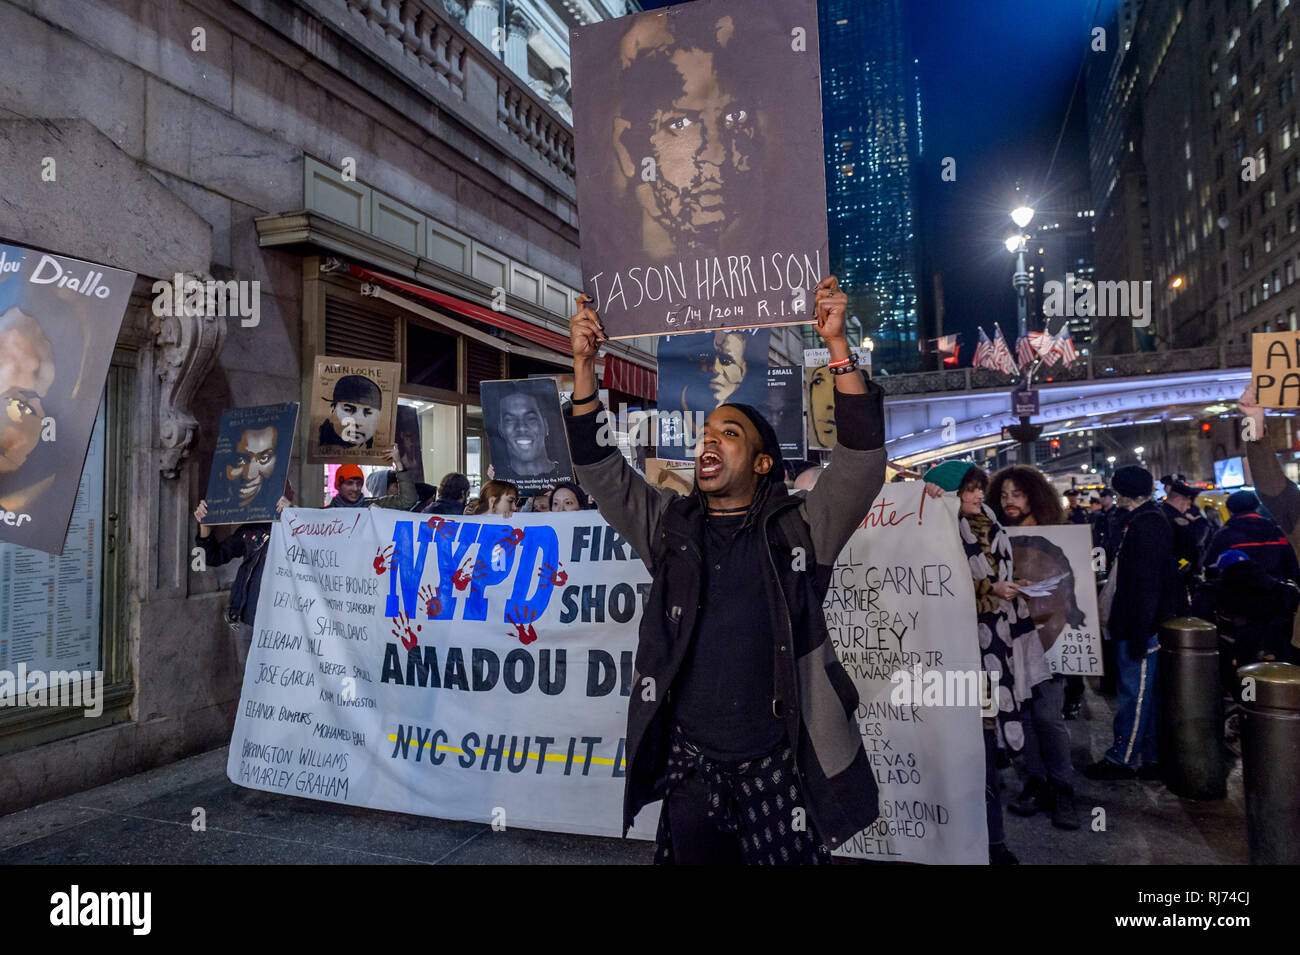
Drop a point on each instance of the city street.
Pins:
(145, 819)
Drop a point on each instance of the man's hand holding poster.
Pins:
(701, 181)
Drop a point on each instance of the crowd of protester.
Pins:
(1157, 560)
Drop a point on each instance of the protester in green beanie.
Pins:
(948, 475)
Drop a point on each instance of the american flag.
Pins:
(1025, 351)
(1065, 345)
(1046, 345)
(984, 353)
(1002, 359)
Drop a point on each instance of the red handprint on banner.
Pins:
(442, 528)
(402, 630)
(432, 605)
(463, 577)
(549, 576)
(522, 618)
(383, 559)
(513, 539)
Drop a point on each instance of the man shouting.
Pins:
(741, 717)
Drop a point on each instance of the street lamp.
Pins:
(1021, 216)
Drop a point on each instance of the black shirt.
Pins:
(724, 690)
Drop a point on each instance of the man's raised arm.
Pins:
(630, 505)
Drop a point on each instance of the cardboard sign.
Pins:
(353, 410)
(1275, 368)
(701, 180)
(59, 319)
(250, 463)
(527, 440)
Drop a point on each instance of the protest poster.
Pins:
(678, 475)
(901, 613)
(408, 440)
(479, 669)
(820, 385)
(465, 668)
(527, 441)
(1056, 560)
(784, 409)
(1275, 368)
(698, 373)
(250, 463)
(701, 182)
(353, 413)
(59, 319)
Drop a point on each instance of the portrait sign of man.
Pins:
(250, 461)
(353, 411)
(254, 463)
(701, 179)
(526, 436)
(26, 374)
(355, 407)
(59, 319)
(525, 432)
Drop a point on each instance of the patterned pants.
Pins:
(748, 813)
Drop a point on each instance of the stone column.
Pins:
(521, 29)
(484, 16)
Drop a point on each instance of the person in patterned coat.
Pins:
(1003, 615)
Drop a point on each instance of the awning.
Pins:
(541, 336)
(623, 375)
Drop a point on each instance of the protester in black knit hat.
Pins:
(1144, 590)
(741, 719)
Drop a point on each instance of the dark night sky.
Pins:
(996, 77)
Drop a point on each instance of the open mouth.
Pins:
(710, 464)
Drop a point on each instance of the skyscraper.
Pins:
(871, 111)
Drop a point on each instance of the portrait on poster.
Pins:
(784, 409)
(250, 463)
(353, 410)
(701, 182)
(700, 372)
(59, 320)
(1054, 562)
(527, 441)
(819, 386)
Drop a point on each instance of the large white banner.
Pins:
(901, 611)
(466, 668)
(479, 669)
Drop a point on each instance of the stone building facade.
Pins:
(299, 144)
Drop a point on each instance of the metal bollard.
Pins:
(1190, 727)
(1270, 754)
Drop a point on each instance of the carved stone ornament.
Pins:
(187, 346)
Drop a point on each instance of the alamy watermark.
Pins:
(1099, 299)
(78, 688)
(191, 297)
(671, 429)
(918, 687)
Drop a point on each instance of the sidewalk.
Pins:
(145, 819)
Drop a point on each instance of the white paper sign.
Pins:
(902, 597)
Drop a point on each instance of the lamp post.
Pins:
(1016, 245)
